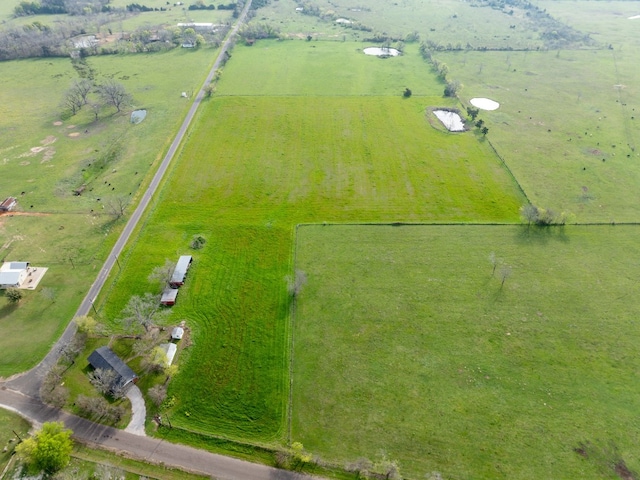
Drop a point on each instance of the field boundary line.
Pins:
(292, 317)
(508, 170)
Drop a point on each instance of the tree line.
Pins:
(56, 7)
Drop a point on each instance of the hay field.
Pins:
(406, 343)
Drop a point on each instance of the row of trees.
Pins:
(452, 87)
(71, 7)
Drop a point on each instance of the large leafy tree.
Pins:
(49, 449)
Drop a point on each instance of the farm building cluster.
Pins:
(178, 277)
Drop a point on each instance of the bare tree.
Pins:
(494, 262)
(157, 394)
(162, 274)
(114, 93)
(505, 272)
(529, 213)
(116, 206)
(82, 88)
(48, 293)
(72, 101)
(144, 311)
(103, 379)
(295, 282)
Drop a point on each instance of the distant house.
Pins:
(105, 359)
(8, 204)
(169, 296)
(13, 274)
(177, 333)
(180, 272)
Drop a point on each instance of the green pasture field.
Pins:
(173, 16)
(263, 165)
(447, 22)
(298, 67)
(406, 343)
(71, 234)
(566, 125)
(607, 22)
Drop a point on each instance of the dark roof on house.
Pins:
(181, 269)
(104, 358)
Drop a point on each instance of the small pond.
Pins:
(138, 115)
(381, 51)
(451, 120)
(484, 103)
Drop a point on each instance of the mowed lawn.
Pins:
(406, 343)
(253, 168)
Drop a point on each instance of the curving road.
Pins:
(21, 393)
(148, 449)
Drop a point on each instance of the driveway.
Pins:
(139, 411)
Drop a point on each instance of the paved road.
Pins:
(21, 392)
(29, 382)
(152, 450)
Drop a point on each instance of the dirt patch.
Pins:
(623, 471)
(48, 155)
(49, 140)
(58, 123)
(74, 134)
(595, 151)
(25, 163)
(37, 149)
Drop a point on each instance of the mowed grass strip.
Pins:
(406, 343)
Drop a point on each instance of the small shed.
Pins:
(8, 204)
(180, 272)
(104, 358)
(169, 296)
(170, 350)
(177, 333)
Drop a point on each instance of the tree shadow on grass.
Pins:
(541, 234)
(8, 309)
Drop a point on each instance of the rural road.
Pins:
(147, 449)
(21, 393)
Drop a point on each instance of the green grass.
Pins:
(577, 153)
(74, 235)
(298, 67)
(315, 158)
(9, 423)
(447, 22)
(406, 343)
